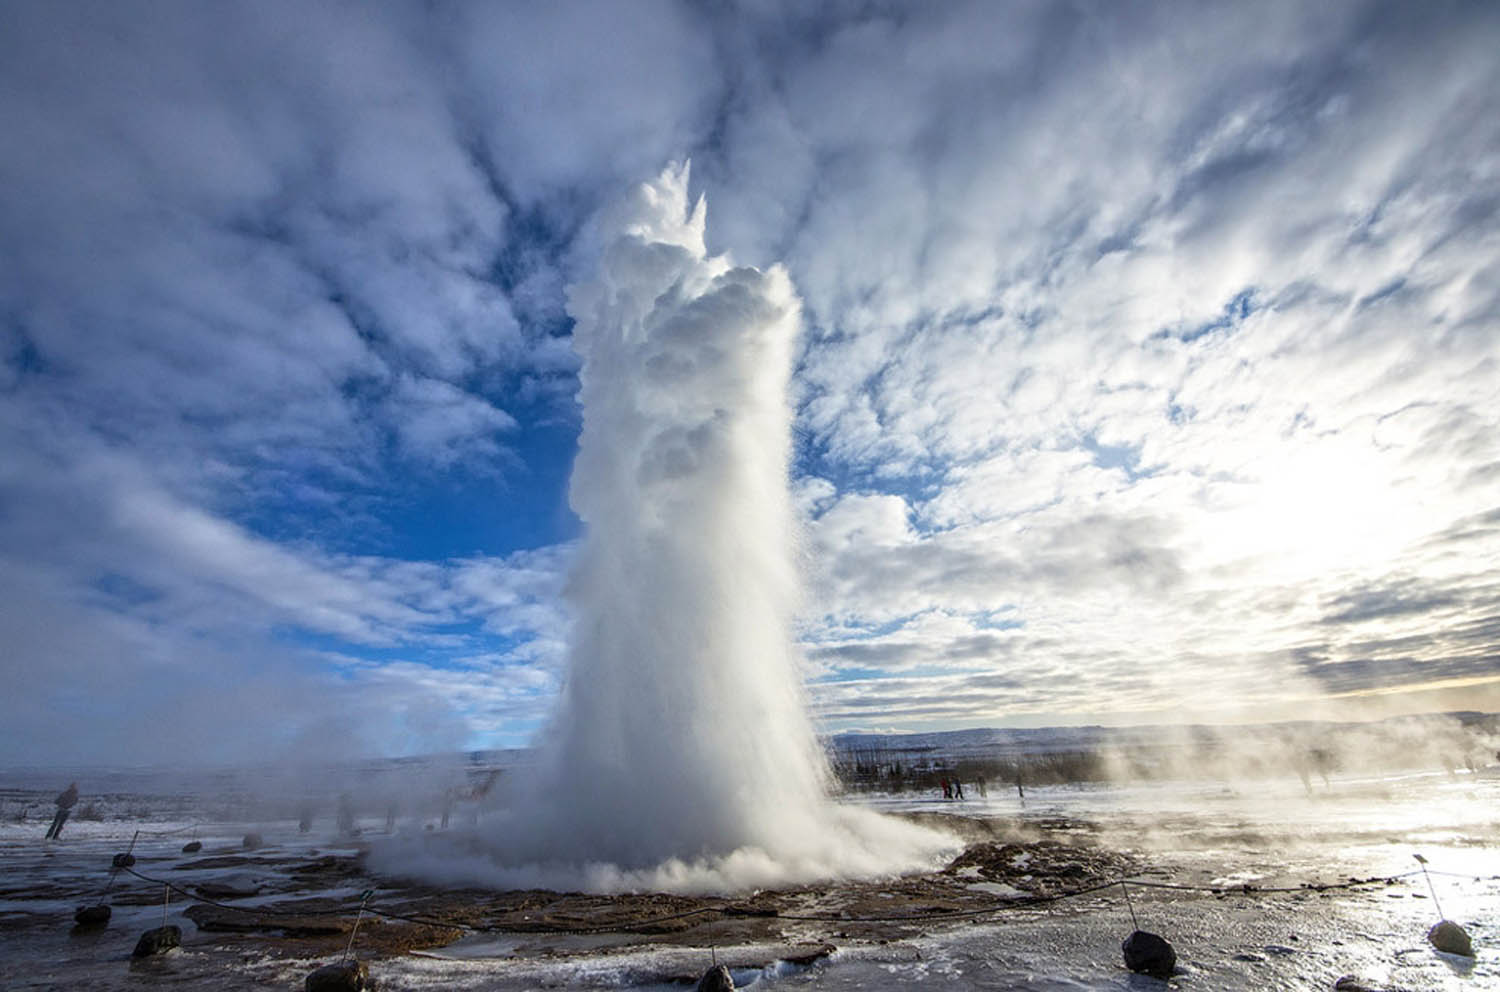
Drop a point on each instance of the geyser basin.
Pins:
(681, 756)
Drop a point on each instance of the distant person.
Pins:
(958, 789)
(305, 818)
(66, 800)
(346, 815)
(947, 789)
(1322, 762)
(1020, 787)
(1304, 772)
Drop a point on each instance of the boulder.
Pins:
(92, 916)
(252, 841)
(123, 860)
(1450, 938)
(716, 979)
(157, 941)
(192, 847)
(1149, 954)
(346, 976)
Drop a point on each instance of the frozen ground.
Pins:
(1209, 834)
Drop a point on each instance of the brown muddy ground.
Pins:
(295, 912)
(998, 865)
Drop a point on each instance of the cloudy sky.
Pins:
(1150, 366)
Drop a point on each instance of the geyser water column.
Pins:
(681, 731)
(682, 753)
(681, 756)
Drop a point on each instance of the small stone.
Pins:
(252, 841)
(346, 976)
(716, 979)
(92, 916)
(192, 847)
(1149, 954)
(1450, 938)
(1349, 983)
(158, 941)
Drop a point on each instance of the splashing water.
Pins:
(681, 756)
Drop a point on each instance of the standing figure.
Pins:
(65, 802)
(958, 789)
(346, 816)
(947, 790)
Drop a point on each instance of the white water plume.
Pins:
(681, 756)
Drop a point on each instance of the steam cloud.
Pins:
(681, 756)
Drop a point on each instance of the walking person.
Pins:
(66, 800)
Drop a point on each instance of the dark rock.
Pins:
(716, 979)
(1149, 954)
(123, 860)
(1349, 983)
(346, 976)
(192, 847)
(92, 916)
(227, 890)
(157, 941)
(1450, 938)
(252, 841)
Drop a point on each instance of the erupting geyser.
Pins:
(682, 722)
(681, 755)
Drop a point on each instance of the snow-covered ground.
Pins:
(1266, 834)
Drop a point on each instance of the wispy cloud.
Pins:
(1149, 354)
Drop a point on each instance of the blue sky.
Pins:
(1148, 367)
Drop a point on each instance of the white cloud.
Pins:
(1169, 335)
(438, 422)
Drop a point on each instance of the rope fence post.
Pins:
(1439, 906)
(364, 897)
(1134, 924)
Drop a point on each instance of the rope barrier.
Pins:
(1036, 899)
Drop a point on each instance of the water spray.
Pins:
(690, 758)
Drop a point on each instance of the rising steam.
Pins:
(681, 755)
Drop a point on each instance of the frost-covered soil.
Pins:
(293, 897)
